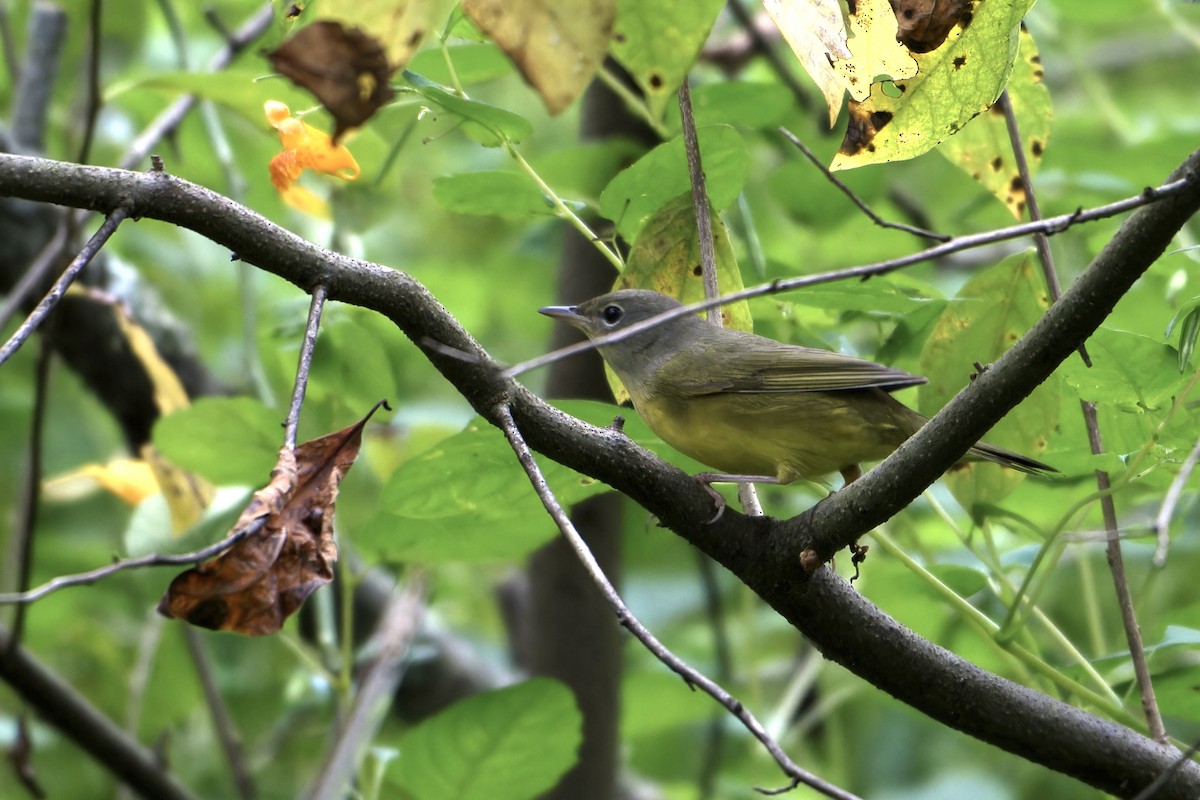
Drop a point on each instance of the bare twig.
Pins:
(396, 630)
(1040, 240)
(92, 105)
(227, 734)
(691, 147)
(625, 617)
(1049, 226)
(1162, 520)
(152, 560)
(1151, 789)
(1116, 561)
(862, 206)
(64, 281)
(319, 293)
(708, 258)
(31, 492)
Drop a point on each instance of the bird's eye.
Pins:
(612, 315)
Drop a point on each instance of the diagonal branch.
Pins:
(763, 553)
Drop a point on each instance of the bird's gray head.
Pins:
(616, 311)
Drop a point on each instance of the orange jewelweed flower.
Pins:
(305, 147)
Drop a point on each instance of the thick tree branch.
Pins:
(763, 553)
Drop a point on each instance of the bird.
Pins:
(752, 408)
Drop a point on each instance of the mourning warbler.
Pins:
(754, 408)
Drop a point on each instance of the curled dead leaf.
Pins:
(348, 70)
(255, 585)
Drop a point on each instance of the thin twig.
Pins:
(92, 106)
(319, 293)
(1049, 226)
(227, 734)
(1040, 240)
(708, 257)
(862, 206)
(64, 281)
(1116, 561)
(1162, 520)
(691, 147)
(31, 492)
(152, 560)
(625, 617)
(1151, 790)
(392, 639)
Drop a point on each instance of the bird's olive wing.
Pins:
(750, 363)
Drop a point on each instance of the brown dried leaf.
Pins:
(347, 69)
(925, 24)
(255, 585)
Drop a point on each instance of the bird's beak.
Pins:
(568, 313)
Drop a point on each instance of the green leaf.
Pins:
(983, 149)
(740, 103)
(505, 194)
(473, 63)
(963, 580)
(662, 174)
(658, 42)
(509, 744)
(241, 90)
(229, 440)
(429, 513)
(1130, 372)
(654, 703)
(954, 82)
(1189, 315)
(988, 316)
(486, 124)
(585, 169)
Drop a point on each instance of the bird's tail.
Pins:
(1007, 458)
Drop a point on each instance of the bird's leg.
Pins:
(707, 479)
(850, 473)
(858, 553)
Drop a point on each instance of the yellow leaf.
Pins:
(983, 149)
(130, 479)
(399, 25)
(876, 55)
(816, 32)
(169, 394)
(187, 494)
(558, 46)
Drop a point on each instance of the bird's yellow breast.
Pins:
(782, 435)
